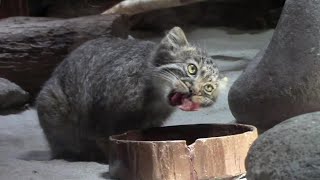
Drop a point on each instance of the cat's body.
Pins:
(105, 87)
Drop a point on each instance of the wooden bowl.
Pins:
(186, 152)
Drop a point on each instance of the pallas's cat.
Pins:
(108, 86)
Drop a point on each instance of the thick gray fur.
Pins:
(108, 86)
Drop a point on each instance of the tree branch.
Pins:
(131, 7)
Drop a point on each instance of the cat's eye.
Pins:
(192, 69)
(208, 88)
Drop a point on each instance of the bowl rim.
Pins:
(251, 129)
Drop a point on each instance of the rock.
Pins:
(11, 95)
(290, 150)
(284, 80)
(30, 48)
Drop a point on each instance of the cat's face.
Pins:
(191, 74)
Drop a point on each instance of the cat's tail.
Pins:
(51, 104)
(54, 112)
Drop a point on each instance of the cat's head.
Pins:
(191, 74)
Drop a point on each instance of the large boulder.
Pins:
(11, 95)
(290, 150)
(284, 80)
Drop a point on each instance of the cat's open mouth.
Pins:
(183, 101)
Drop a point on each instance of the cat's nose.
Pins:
(193, 91)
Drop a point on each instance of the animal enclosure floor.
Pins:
(24, 154)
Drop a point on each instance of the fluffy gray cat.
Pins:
(108, 86)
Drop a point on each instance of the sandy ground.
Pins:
(24, 154)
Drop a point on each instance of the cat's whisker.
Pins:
(166, 78)
(186, 79)
(170, 62)
(170, 72)
(169, 77)
(163, 76)
(166, 74)
(178, 79)
(171, 66)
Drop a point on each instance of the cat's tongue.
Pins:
(183, 102)
(188, 105)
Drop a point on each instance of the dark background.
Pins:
(252, 14)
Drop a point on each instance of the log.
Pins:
(131, 7)
(30, 48)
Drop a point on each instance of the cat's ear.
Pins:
(169, 45)
(174, 39)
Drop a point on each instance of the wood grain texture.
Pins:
(193, 152)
